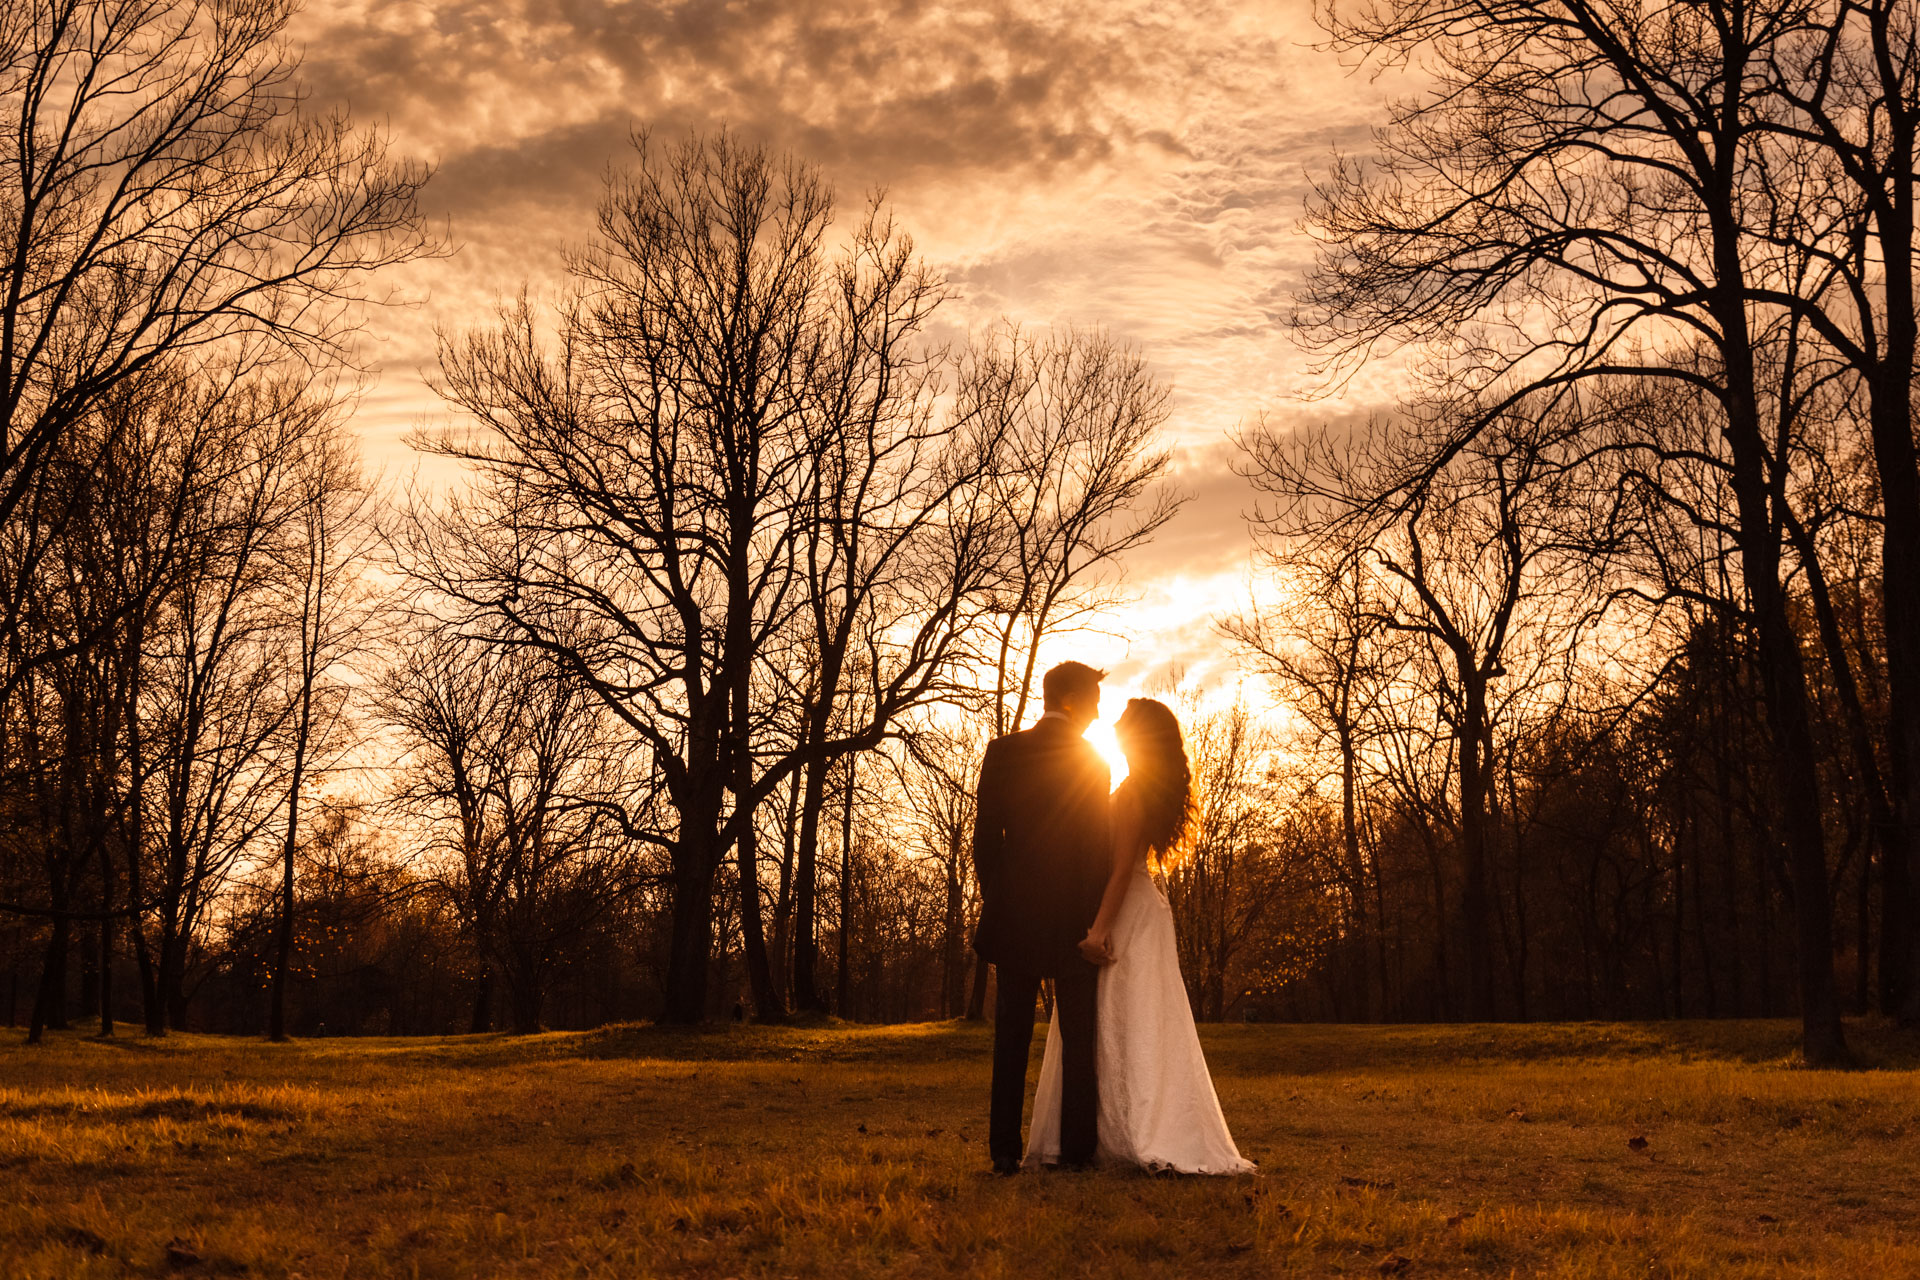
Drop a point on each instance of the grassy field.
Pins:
(1689, 1149)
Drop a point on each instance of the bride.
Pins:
(1158, 1109)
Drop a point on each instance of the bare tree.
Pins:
(219, 714)
(937, 780)
(1844, 83)
(526, 790)
(1319, 645)
(334, 614)
(904, 534)
(162, 193)
(1539, 234)
(1080, 482)
(1474, 556)
(731, 443)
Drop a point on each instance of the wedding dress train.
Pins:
(1158, 1108)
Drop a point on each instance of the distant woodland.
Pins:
(1585, 683)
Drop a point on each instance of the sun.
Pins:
(1100, 736)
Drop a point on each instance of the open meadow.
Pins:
(1683, 1149)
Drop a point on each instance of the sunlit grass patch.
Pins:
(831, 1151)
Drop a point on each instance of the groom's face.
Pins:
(1084, 709)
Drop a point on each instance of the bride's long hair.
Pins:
(1158, 771)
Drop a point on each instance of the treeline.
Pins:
(668, 707)
(1582, 685)
(1611, 645)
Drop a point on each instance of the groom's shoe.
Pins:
(1005, 1168)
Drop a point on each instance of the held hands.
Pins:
(1097, 947)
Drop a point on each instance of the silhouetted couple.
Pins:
(1071, 889)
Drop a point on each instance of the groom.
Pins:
(1040, 850)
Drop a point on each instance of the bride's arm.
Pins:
(1125, 856)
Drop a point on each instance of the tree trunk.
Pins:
(781, 956)
(283, 926)
(1900, 593)
(842, 979)
(690, 948)
(1361, 947)
(954, 955)
(1475, 908)
(1891, 420)
(482, 1019)
(1784, 689)
(50, 1001)
(106, 939)
(696, 858)
(766, 998)
(176, 995)
(1882, 823)
(89, 941)
(806, 926)
(152, 1013)
(526, 994)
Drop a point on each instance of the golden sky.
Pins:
(1127, 163)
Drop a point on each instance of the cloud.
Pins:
(870, 89)
(1135, 164)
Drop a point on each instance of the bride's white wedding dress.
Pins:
(1158, 1109)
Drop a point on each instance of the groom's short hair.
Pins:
(1068, 678)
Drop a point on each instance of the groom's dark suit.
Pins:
(1040, 850)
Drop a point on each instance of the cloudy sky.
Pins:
(1127, 163)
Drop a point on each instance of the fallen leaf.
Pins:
(1394, 1265)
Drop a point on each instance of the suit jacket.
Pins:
(1040, 847)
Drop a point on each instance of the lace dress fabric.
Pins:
(1158, 1109)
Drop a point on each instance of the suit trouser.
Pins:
(1073, 993)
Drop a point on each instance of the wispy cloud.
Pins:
(1134, 164)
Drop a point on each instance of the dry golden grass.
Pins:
(844, 1152)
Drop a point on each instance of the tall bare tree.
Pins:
(730, 443)
(905, 534)
(1539, 234)
(1081, 481)
(526, 792)
(1319, 645)
(163, 193)
(334, 612)
(1844, 83)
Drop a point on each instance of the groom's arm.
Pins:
(990, 820)
(1100, 812)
